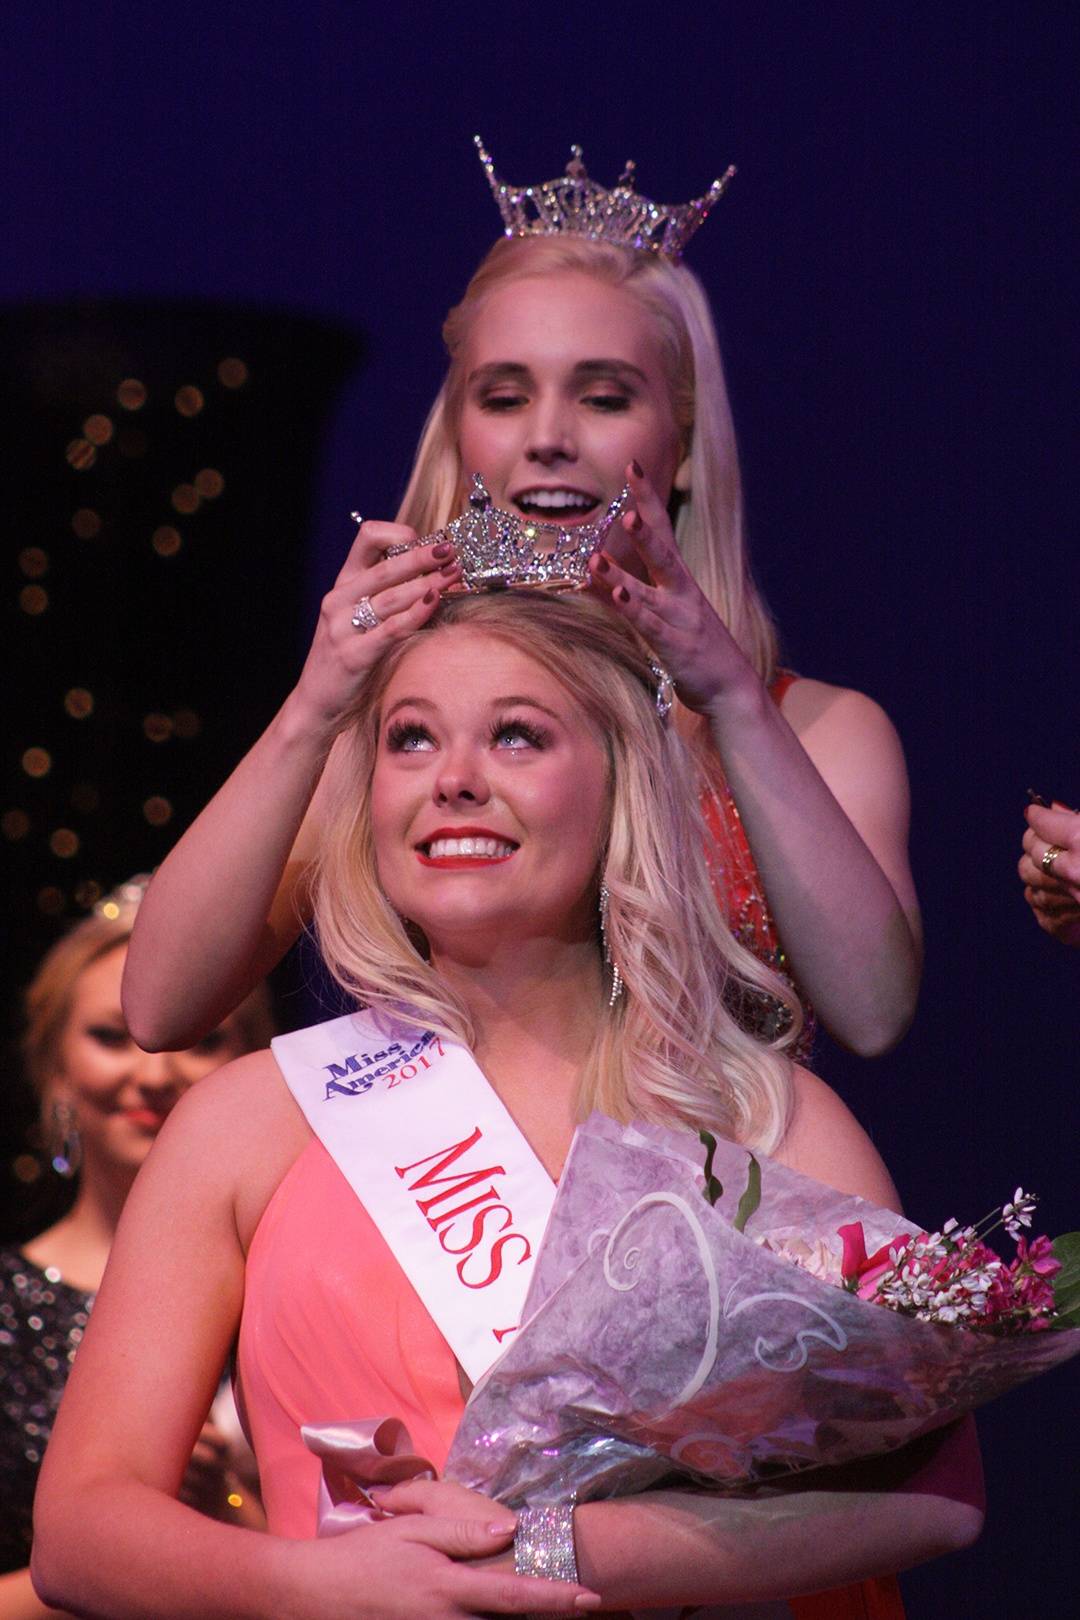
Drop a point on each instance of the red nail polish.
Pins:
(603, 566)
(441, 551)
(429, 596)
(622, 594)
(639, 471)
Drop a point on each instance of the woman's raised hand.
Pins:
(387, 597)
(669, 608)
(1050, 870)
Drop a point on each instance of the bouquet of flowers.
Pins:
(725, 1320)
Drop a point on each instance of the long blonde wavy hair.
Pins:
(670, 1049)
(709, 523)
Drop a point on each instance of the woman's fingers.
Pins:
(1052, 867)
(493, 1591)
(1054, 825)
(367, 564)
(648, 529)
(397, 599)
(445, 1499)
(371, 540)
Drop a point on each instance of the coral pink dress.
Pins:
(333, 1331)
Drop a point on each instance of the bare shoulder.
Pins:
(239, 1131)
(825, 1140)
(823, 715)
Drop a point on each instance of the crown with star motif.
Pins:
(574, 205)
(499, 550)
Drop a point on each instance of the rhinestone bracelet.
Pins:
(544, 1543)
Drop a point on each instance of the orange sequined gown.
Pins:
(741, 896)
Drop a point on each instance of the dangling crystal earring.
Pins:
(66, 1146)
(616, 976)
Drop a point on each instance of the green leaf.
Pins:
(713, 1188)
(1067, 1282)
(751, 1198)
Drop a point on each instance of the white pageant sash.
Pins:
(438, 1163)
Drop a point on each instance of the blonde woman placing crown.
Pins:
(512, 886)
(579, 364)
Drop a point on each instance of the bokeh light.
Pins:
(79, 703)
(33, 561)
(189, 400)
(37, 762)
(86, 523)
(131, 394)
(186, 723)
(185, 498)
(98, 428)
(81, 454)
(232, 373)
(157, 728)
(166, 541)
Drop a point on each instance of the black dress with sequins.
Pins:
(42, 1321)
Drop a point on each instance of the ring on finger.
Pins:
(364, 616)
(1050, 855)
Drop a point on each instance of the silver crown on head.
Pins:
(574, 205)
(499, 550)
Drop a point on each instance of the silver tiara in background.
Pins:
(574, 205)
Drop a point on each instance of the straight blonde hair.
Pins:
(709, 522)
(670, 1050)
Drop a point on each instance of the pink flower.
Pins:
(862, 1272)
(1038, 1255)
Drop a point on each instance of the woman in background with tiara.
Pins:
(512, 885)
(103, 1102)
(582, 356)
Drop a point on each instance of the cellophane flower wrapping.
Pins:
(657, 1339)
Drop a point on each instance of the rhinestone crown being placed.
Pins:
(574, 205)
(498, 550)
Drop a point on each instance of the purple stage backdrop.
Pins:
(894, 274)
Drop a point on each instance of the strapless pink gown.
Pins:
(333, 1331)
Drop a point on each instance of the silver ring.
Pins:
(364, 616)
(357, 519)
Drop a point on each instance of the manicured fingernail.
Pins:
(637, 469)
(444, 550)
(587, 1601)
(603, 566)
(622, 594)
(429, 596)
(635, 521)
(502, 1529)
(451, 567)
